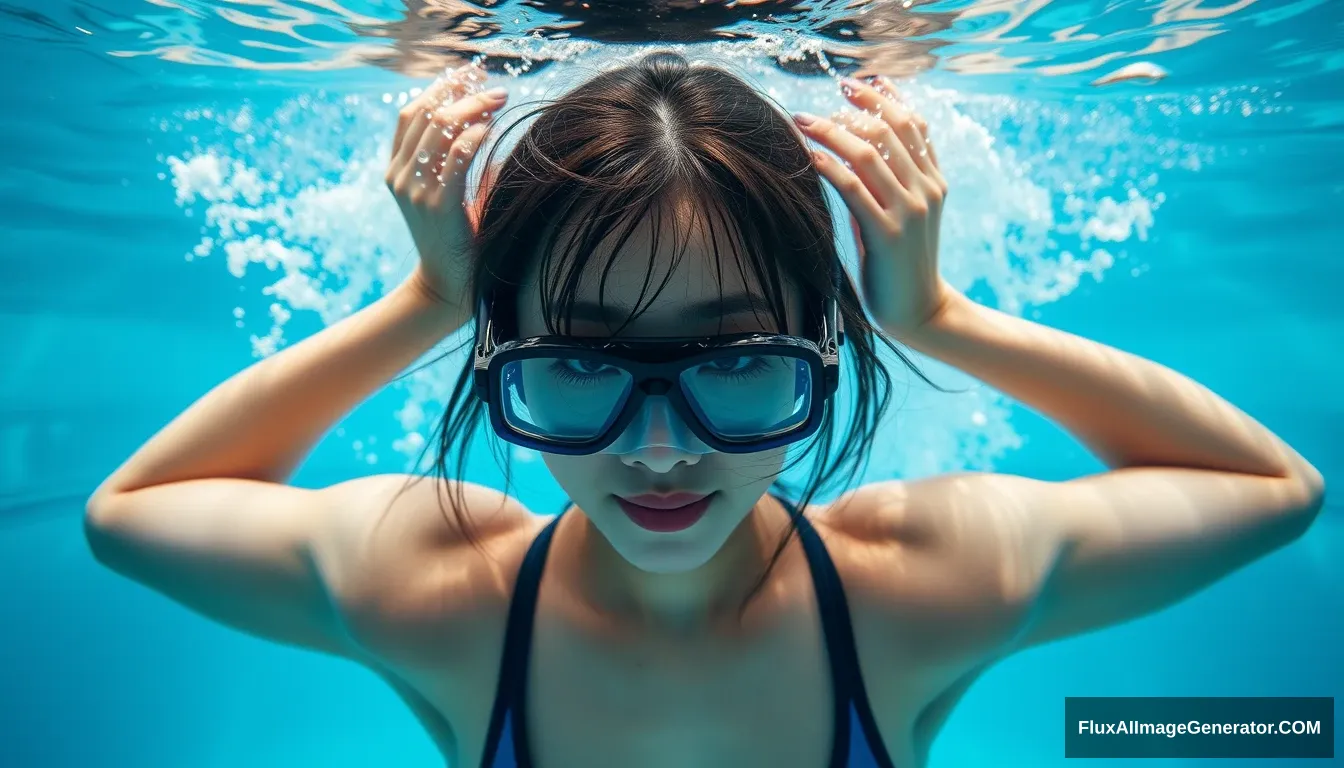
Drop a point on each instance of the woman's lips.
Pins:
(665, 513)
(665, 500)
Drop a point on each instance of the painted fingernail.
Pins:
(851, 82)
(496, 93)
(804, 118)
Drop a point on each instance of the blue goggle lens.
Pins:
(739, 398)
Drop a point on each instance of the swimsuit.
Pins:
(856, 742)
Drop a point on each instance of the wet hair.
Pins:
(638, 141)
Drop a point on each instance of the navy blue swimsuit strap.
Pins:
(846, 674)
(512, 681)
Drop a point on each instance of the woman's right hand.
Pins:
(438, 134)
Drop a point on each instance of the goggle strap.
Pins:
(838, 323)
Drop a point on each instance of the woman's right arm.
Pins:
(201, 512)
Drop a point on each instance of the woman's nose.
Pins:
(659, 439)
(660, 458)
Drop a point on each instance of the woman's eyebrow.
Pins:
(734, 304)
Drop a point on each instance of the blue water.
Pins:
(190, 184)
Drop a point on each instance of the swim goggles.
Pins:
(736, 393)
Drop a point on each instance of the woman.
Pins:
(679, 613)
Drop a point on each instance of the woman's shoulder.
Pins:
(913, 586)
(439, 568)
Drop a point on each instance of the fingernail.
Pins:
(851, 82)
(804, 118)
(497, 93)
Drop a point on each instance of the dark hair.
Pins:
(626, 144)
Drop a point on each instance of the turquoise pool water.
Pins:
(190, 184)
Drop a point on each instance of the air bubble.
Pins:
(422, 156)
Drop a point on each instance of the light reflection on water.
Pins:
(422, 37)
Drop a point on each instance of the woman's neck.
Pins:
(684, 603)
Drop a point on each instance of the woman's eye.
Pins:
(587, 366)
(727, 364)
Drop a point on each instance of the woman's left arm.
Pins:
(1197, 487)
(1129, 411)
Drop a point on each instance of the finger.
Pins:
(910, 127)
(932, 169)
(432, 153)
(881, 97)
(928, 142)
(938, 176)
(429, 157)
(450, 145)
(446, 197)
(866, 162)
(908, 124)
(933, 155)
(457, 117)
(860, 201)
(411, 120)
(878, 133)
(445, 90)
(453, 178)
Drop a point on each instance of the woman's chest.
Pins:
(595, 699)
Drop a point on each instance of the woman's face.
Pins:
(654, 456)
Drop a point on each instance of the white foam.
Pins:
(1118, 221)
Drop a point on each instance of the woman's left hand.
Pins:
(894, 190)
